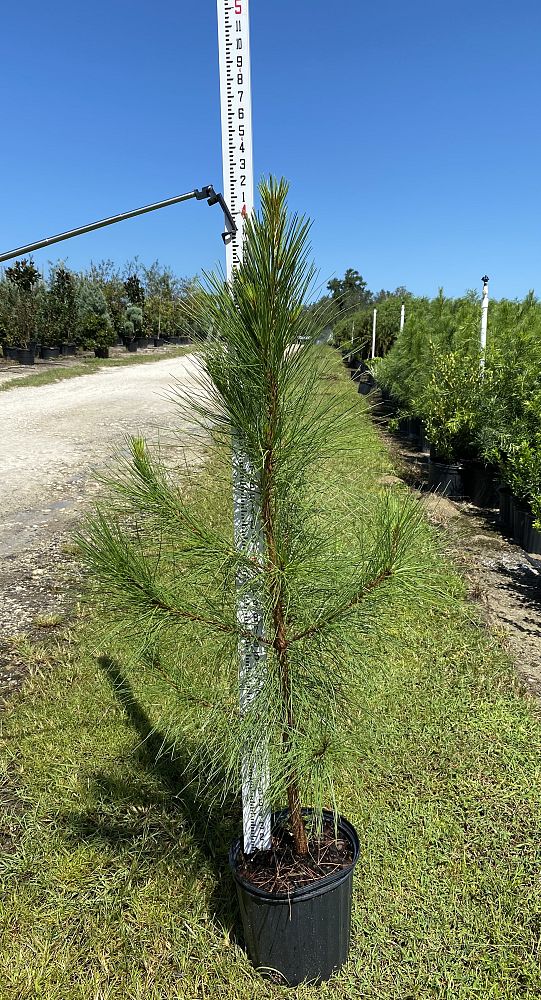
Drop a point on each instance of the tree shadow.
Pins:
(152, 808)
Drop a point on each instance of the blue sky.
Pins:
(410, 133)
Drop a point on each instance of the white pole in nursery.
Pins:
(374, 323)
(402, 316)
(236, 105)
(484, 319)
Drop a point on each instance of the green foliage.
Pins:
(61, 307)
(350, 292)
(354, 332)
(22, 301)
(169, 575)
(106, 275)
(450, 405)
(133, 322)
(95, 329)
(134, 290)
(24, 275)
(433, 370)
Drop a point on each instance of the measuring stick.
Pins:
(236, 103)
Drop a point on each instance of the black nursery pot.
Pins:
(25, 356)
(480, 484)
(504, 503)
(131, 346)
(47, 353)
(519, 515)
(445, 477)
(531, 536)
(303, 936)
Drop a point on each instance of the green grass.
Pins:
(116, 887)
(87, 366)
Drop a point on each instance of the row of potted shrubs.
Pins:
(468, 476)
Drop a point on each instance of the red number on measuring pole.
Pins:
(238, 7)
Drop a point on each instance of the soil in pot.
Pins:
(296, 910)
(446, 478)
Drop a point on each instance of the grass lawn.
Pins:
(86, 366)
(115, 887)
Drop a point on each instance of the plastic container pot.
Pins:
(531, 535)
(519, 515)
(303, 936)
(446, 478)
(414, 430)
(504, 503)
(25, 356)
(47, 353)
(480, 484)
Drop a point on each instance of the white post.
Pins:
(374, 322)
(484, 319)
(236, 104)
(402, 316)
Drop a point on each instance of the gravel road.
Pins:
(53, 440)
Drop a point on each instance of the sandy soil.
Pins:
(54, 439)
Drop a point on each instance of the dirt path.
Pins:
(503, 578)
(53, 440)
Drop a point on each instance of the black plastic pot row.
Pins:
(475, 481)
(27, 355)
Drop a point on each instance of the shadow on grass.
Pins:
(150, 811)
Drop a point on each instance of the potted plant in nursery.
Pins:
(133, 325)
(286, 590)
(93, 319)
(25, 280)
(62, 310)
(450, 408)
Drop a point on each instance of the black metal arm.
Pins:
(207, 193)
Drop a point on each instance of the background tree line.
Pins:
(94, 308)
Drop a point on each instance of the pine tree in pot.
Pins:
(295, 730)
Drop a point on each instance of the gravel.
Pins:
(55, 440)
